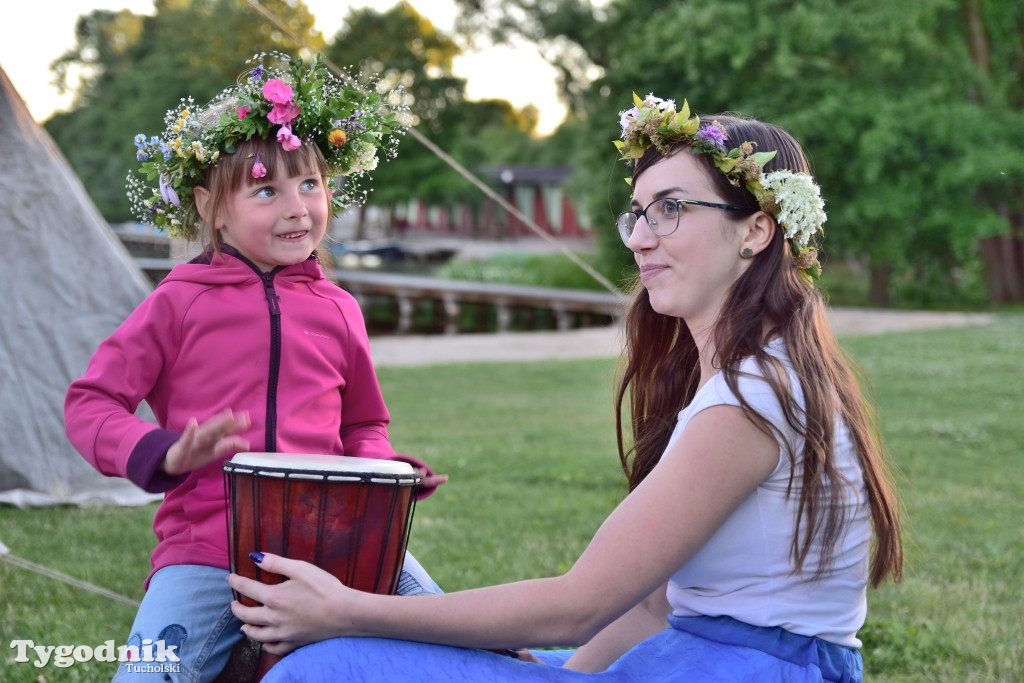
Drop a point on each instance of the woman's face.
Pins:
(687, 273)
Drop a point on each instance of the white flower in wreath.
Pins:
(365, 157)
(801, 211)
(660, 104)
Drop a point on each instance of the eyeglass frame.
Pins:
(643, 214)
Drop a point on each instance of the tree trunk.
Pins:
(389, 221)
(878, 285)
(361, 223)
(977, 40)
(1003, 257)
(1013, 257)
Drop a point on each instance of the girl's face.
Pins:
(276, 222)
(687, 273)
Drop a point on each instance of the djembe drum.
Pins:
(348, 516)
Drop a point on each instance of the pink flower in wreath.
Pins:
(243, 111)
(258, 169)
(277, 91)
(287, 139)
(283, 113)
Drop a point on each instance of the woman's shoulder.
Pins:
(754, 383)
(768, 370)
(757, 370)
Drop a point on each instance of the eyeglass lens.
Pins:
(662, 217)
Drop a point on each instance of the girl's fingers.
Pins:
(230, 445)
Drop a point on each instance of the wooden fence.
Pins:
(568, 307)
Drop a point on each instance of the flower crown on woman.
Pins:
(275, 98)
(794, 199)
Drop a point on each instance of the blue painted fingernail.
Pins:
(256, 557)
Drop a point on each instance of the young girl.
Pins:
(743, 550)
(247, 347)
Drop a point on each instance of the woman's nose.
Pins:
(642, 236)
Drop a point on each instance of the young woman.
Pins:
(247, 347)
(743, 550)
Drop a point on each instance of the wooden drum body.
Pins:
(349, 516)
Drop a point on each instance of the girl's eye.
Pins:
(670, 207)
(265, 192)
(311, 183)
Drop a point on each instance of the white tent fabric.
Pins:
(66, 282)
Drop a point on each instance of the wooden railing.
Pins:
(452, 295)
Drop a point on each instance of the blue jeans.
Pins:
(187, 608)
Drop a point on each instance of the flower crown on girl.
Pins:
(794, 199)
(275, 98)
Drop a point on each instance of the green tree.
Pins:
(406, 50)
(566, 33)
(901, 106)
(994, 34)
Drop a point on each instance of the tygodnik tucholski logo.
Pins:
(152, 657)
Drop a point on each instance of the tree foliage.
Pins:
(407, 50)
(902, 106)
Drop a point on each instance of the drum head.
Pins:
(334, 464)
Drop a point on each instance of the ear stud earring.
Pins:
(747, 252)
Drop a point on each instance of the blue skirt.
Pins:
(705, 649)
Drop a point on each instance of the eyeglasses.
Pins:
(662, 216)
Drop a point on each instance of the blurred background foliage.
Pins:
(911, 112)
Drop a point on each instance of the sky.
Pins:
(35, 33)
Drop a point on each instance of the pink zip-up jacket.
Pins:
(289, 346)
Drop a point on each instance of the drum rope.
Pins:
(6, 556)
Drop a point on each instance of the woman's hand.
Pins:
(208, 442)
(306, 608)
(309, 606)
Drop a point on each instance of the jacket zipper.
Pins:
(274, 305)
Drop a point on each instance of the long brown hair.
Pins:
(660, 373)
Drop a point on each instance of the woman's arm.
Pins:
(718, 462)
(649, 617)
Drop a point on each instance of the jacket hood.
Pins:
(231, 267)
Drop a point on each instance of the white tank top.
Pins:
(745, 570)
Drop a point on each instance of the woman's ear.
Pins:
(760, 229)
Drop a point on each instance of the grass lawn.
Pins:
(530, 451)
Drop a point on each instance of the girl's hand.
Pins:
(431, 481)
(525, 655)
(204, 443)
(305, 608)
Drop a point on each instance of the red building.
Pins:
(538, 192)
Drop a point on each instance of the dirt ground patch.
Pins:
(597, 342)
